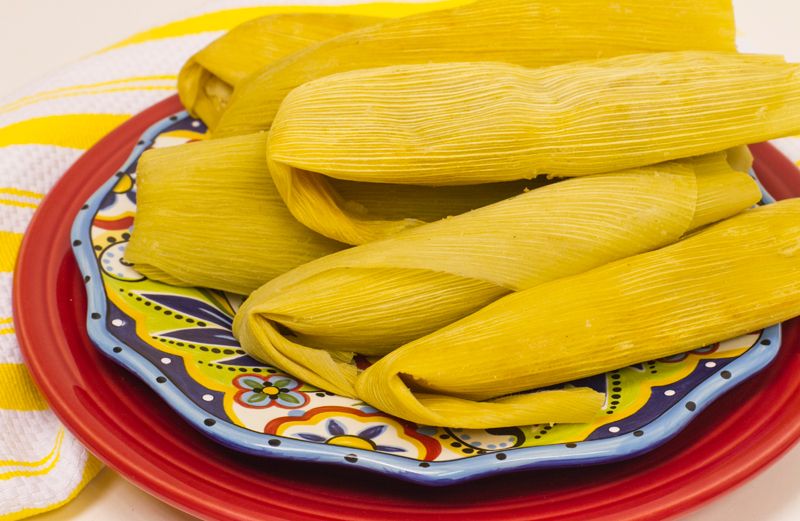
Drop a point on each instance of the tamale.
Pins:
(209, 78)
(649, 306)
(208, 214)
(469, 123)
(375, 297)
(532, 33)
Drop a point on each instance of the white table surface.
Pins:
(37, 36)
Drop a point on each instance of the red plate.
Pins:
(133, 431)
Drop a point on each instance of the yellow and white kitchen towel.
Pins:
(43, 130)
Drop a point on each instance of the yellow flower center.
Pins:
(354, 442)
(271, 391)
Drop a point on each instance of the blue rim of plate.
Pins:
(433, 473)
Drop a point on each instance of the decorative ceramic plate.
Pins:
(179, 341)
(132, 429)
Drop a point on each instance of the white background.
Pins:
(38, 36)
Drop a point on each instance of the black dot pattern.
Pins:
(544, 430)
(168, 312)
(616, 387)
(201, 348)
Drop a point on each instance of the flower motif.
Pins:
(347, 426)
(337, 434)
(258, 392)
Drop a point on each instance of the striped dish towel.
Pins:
(43, 130)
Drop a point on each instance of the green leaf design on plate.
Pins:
(289, 398)
(256, 398)
(252, 383)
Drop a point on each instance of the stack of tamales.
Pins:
(535, 192)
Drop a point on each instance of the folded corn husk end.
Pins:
(317, 205)
(740, 158)
(330, 370)
(723, 187)
(573, 405)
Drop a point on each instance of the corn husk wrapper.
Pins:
(209, 215)
(721, 191)
(208, 79)
(532, 33)
(736, 277)
(469, 123)
(373, 298)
